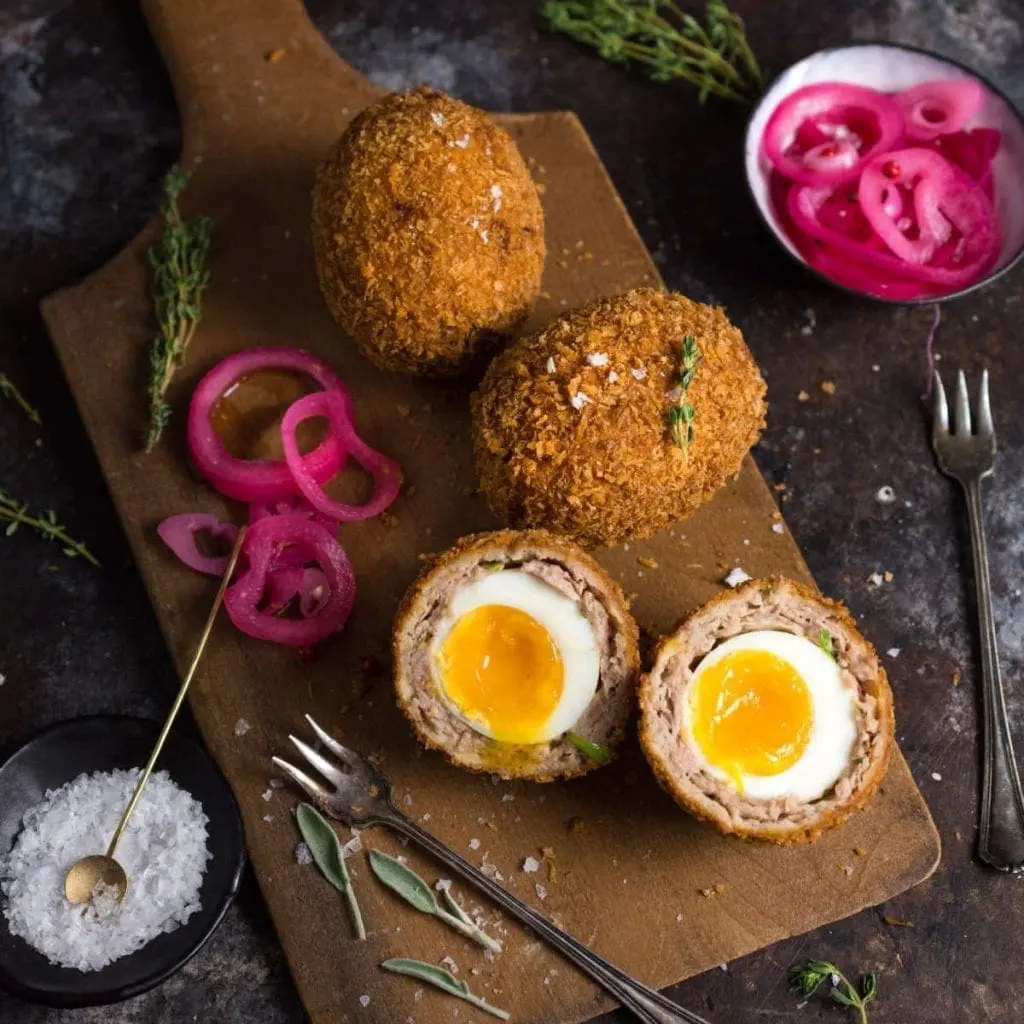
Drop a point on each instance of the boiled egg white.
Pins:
(768, 712)
(515, 659)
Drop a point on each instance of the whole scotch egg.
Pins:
(767, 713)
(515, 653)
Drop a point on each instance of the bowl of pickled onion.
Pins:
(890, 172)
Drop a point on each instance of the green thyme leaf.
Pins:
(681, 416)
(592, 750)
(442, 979)
(8, 389)
(16, 513)
(806, 978)
(327, 854)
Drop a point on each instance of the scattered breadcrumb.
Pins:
(828, 387)
(274, 55)
(242, 726)
(648, 563)
(859, 851)
(888, 576)
(956, 677)
(736, 577)
(897, 922)
(577, 825)
(802, 396)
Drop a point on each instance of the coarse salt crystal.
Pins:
(778, 528)
(579, 400)
(736, 577)
(936, 776)
(542, 892)
(443, 884)
(550, 364)
(886, 495)
(483, 237)
(164, 852)
(531, 864)
(507, 798)
(597, 359)
(893, 652)
(353, 846)
(303, 854)
(474, 844)
(242, 726)
(447, 961)
(496, 196)
(268, 794)
(612, 376)
(437, 117)
(268, 818)
(639, 374)
(876, 579)
(3, 679)
(364, 1001)
(463, 142)
(277, 783)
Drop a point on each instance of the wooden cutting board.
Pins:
(262, 97)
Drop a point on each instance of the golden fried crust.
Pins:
(428, 233)
(610, 471)
(836, 618)
(511, 545)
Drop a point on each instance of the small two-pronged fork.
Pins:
(967, 454)
(361, 796)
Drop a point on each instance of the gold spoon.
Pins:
(84, 875)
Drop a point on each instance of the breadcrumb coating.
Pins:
(428, 233)
(570, 425)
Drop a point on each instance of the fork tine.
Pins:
(329, 771)
(940, 413)
(345, 755)
(963, 407)
(985, 427)
(314, 790)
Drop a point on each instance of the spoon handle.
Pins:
(180, 699)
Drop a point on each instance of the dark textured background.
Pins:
(88, 125)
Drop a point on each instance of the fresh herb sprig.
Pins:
(716, 56)
(401, 878)
(328, 856)
(180, 276)
(17, 513)
(444, 980)
(682, 414)
(9, 390)
(805, 979)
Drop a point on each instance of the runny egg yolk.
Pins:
(751, 714)
(501, 668)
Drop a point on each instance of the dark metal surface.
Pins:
(88, 125)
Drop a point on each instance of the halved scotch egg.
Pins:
(515, 653)
(767, 713)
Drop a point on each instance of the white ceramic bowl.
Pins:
(889, 67)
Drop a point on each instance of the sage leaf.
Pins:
(403, 880)
(442, 979)
(326, 851)
(592, 750)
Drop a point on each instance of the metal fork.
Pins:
(361, 796)
(968, 456)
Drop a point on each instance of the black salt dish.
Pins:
(99, 744)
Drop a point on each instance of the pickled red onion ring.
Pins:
(179, 534)
(296, 505)
(257, 480)
(940, 191)
(337, 407)
(938, 108)
(307, 584)
(330, 607)
(842, 103)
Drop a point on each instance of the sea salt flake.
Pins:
(507, 798)
(736, 577)
(886, 495)
(612, 377)
(268, 794)
(639, 374)
(893, 652)
(164, 852)
(531, 864)
(268, 818)
(474, 844)
(579, 400)
(936, 776)
(447, 961)
(303, 854)
(496, 196)
(443, 884)
(364, 1001)
(242, 726)
(437, 117)
(778, 528)
(550, 364)
(277, 783)
(483, 237)
(876, 579)
(542, 892)
(353, 846)
(463, 142)
(597, 359)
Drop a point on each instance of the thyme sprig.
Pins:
(8, 390)
(16, 513)
(716, 56)
(682, 414)
(805, 979)
(180, 276)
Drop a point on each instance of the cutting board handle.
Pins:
(216, 68)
